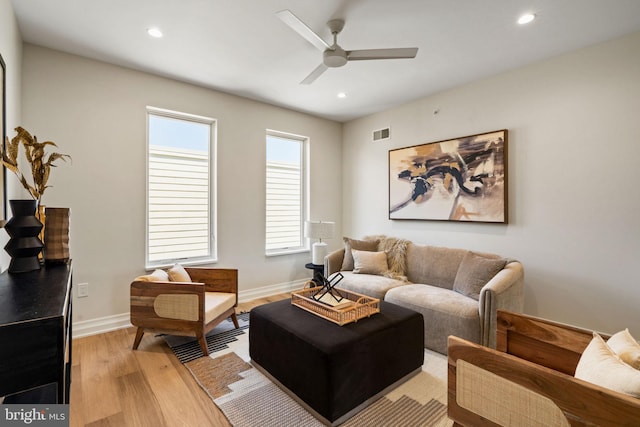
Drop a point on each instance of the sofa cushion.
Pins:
(474, 272)
(626, 347)
(360, 245)
(433, 265)
(365, 262)
(445, 313)
(368, 284)
(600, 365)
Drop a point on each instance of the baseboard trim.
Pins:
(101, 325)
(265, 291)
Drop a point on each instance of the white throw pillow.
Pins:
(177, 273)
(157, 276)
(365, 262)
(600, 365)
(626, 347)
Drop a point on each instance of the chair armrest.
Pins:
(333, 262)
(514, 382)
(504, 291)
(151, 303)
(216, 279)
(544, 342)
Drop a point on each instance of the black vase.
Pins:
(23, 229)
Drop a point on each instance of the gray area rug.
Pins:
(248, 398)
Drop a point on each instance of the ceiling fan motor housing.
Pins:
(335, 57)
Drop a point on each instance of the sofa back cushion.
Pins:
(359, 245)
(432, 265)
(474, 272)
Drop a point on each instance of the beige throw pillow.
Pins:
(600, 365)
(156, 276)
(365, 262)
(177, 273)
(360, 245)
(474, 272)
(626, 347)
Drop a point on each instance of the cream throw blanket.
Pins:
(396, 250)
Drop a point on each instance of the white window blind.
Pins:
(179, 195)
(285, 194)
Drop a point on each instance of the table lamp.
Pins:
(319, 230)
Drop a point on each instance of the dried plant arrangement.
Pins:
(39, 162)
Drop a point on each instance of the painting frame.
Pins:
(462, 179)
(3, 131)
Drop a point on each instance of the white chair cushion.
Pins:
(216, 303)
(600, 365)
(626, 347)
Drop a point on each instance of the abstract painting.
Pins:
(462, 179)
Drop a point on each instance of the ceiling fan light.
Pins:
(526, 18)
(342, 95)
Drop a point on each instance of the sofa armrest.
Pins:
(333, 262)
(504, 291)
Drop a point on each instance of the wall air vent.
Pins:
(382, 134)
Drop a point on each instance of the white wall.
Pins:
(574, 193)
(96, 113)
(11, 51)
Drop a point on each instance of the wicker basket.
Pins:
(363, 306)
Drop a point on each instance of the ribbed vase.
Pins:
(23, 229)
(56, 235)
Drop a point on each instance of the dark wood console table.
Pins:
(35, 334)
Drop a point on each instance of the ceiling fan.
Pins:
(333, 55)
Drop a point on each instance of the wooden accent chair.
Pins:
(528, 380)
(182, 308)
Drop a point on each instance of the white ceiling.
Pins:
(241, 47)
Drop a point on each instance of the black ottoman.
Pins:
(335, 371)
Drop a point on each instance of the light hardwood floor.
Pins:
(112, 385)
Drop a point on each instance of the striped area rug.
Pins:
(188, 348)
(248, 398)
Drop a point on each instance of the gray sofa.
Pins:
(456, 290)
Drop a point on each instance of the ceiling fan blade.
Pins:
(314, 74)
(301, 28)
(395, 53)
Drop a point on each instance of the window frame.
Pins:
(304, 189)
(212, 256)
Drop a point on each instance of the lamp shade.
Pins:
(319, 229)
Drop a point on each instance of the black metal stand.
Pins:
(318, 273)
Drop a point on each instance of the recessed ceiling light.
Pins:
(342, 95)
(154, 32)
(526, 18)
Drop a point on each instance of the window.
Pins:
(285, 193)
(180, 188)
